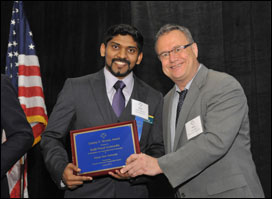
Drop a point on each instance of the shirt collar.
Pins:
(190, 82)
(111, 80)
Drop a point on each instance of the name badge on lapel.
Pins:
(193, 127)
(139, 109)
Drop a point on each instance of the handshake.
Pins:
(136, 164)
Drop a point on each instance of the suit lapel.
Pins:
(138, 93)
(126, 114)
(99, 93)
(167, 109)
(190, 99)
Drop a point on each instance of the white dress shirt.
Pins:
(111, 80)
(174, 109)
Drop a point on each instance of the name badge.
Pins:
(193, 127)
(139, 109)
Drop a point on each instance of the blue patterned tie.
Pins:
(182, 96)
(118, 102)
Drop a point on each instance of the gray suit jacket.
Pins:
(83, 103)
(217, 162)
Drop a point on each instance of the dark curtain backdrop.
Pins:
(233, 37)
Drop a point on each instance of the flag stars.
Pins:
(30, 34)
(31, 47)
(15, 54)
(15, 43)
(10, 54)
(14, 33)
(9, 44)
(13, 22)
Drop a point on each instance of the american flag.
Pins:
(22, 65)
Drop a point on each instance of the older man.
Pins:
(205, 127)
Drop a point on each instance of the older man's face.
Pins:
(180, 66)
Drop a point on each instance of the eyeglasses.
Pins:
(165, 55)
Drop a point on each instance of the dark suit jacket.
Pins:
(18, 131)
(83, 103)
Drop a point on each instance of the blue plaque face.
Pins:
(100, 150)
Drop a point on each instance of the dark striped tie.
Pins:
(182, 95)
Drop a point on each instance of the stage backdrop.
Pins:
(233, 37)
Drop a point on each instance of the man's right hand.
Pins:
(72, 181)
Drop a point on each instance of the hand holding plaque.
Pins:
(71, 180)
(99, 150)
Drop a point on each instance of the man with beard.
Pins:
(88, 102)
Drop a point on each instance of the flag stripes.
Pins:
(30, 102)
(28, 81)
(27, 91)
(22, 65)
(29, 70)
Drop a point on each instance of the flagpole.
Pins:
(22, 176)
(22, 65)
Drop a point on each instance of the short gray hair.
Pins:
(170, 27)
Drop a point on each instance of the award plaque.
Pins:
(101, 149)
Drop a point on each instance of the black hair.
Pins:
(124, 29)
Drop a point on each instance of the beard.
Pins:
(118, 73)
